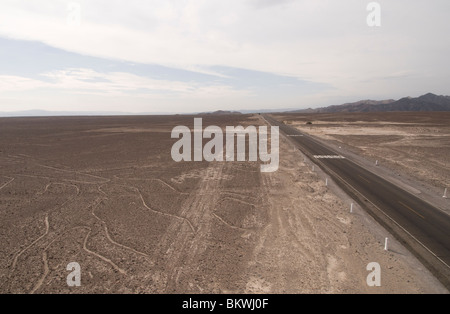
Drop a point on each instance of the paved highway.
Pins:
(419, 225)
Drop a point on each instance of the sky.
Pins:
(205, 55)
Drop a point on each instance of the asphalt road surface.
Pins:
(423, 228)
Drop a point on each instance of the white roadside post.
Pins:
(445, 193)
(376, 163)
(351, 208)
(386, 248)
(326, 182)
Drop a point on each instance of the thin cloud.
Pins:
(327, 42)
(88, 80)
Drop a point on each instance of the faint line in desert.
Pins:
(46, 271)
(237, 200)
(55, 183)
(234, 194)
(4, 185)
(168, 185)
(45, 258)
(47, 227)
(120, 270)
(122, 245)
(76, 172)
(99, 188)
(111, 240)
(45, 190)
(31, 176)
(164, 214)
(159, 180)
(228, 224)
(83, 182)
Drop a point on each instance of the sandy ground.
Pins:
(415, 145)
(84, 190)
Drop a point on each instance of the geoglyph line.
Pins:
(47, 227)
(64, 184)
(44, 275)
(46, 189)
(228, 224)
(109, 237)
(32, 176)
(99, 188)
(169, 186)
(236, 200)
(164, 214)
(159, 180)
(106, 260)
(122, 245)
(4, 185)
(85, 182)
(76, 172)
(236, 195)
(45, 258)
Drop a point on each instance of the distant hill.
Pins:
(249, 111)
(220, 112)
(428, 102)
(359, 106)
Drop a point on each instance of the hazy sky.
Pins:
(199, 55)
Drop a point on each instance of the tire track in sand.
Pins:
(179, 248)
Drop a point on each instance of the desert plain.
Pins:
(105, 193)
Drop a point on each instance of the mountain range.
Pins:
(427, 102)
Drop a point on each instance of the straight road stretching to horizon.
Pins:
(418, 224)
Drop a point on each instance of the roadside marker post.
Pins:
(351, 208)
(445, 193)
(376, 163)
(326, 182)
(386, 244)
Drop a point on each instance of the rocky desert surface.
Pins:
(104, 192)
